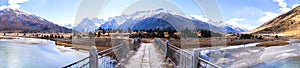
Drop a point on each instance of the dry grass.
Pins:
(148, 40)
(294, 37)
(208, 42)
(85, 43)
(272, 43)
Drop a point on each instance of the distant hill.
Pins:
(16, 20)
(287, 23)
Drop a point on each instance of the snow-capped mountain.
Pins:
(232, 29)
(17, 20)
(88, 25)
(222, 25)
(68, 26)
(153, 19)
(228, 28)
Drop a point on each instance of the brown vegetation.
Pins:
(286, 23)
(273, 43)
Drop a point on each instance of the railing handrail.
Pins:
(170, 45)
(101, 54)
(103, 51)
(78, 61)
(181, 51)
(205, 61)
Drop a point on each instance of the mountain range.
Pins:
(16, 20)
(160, 18)
(286, 23)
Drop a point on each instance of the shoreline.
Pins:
(59, 42)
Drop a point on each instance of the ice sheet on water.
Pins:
(35, 53)
(248, 54)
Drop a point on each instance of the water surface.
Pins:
(285, 63)
(34, 53)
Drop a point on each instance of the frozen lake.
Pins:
(284, 63)
(249, 55)
(35, 53)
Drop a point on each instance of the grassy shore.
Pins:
(86, 43)
(211, 42)
(273, 43)
(82, 43)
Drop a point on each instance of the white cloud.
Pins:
(295, 5)
(268, 16)
(14, 4)
(283, 5)
(16, 1)
(200, 18)
(236, 22)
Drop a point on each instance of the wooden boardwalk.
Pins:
(147, 56)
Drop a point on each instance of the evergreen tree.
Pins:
(260, 37)
(276, 36)
(51, 36)
(98, 34)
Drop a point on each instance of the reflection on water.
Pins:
(14, 54)
(285, 63)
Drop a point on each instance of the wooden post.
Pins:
(166, 50)
(196, 54)
(93, 57)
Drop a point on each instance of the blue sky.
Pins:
(243, 13)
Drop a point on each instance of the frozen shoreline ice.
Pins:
(248, 55)
(36, 53)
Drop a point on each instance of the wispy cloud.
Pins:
(14, 4)
(295, 5)
(268, 16)
(16, 1)
(283, 5)
(237, 23)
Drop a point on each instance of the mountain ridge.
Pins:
(178, 20)
(286, 23)
(17, 20)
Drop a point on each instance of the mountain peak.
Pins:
(17, 20)
(159, 9)
(159, 18)
(19, 11)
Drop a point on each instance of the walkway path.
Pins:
(147, 56)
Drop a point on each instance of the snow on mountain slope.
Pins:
(159, 18)
(88, 25)
(17, 20)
